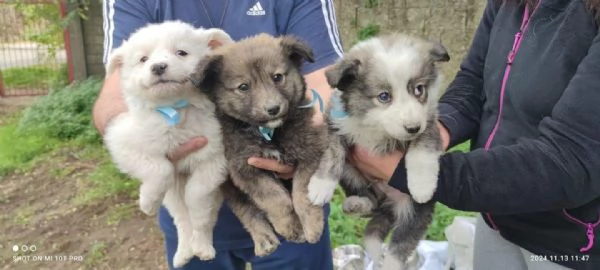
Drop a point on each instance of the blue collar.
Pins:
(170, 113)
(267, 133)
(337, 111)
(337, 108)
(315, 98)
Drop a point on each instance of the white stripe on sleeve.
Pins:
(334, 25)
(109, 27)
(328, 23)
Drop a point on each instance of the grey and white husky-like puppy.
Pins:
(387, 88)
(258, 88)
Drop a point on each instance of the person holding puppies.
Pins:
(310, 20)
(526, 97)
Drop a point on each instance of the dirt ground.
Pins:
(39, 211)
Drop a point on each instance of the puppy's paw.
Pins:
(313, 232)
(149, 206)
(291, 230)
(320, 191)
(422, 169)
(421, 185)
(182, 257)
(202, 247)
(204, 252)
(265, 244)
(296, 235)
(358, 206)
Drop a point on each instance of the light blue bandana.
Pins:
(170, 112)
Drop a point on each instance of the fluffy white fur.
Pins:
(140, 139)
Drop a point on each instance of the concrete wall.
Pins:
(93, 38)
(451, 21)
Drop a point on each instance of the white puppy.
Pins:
(165, 111)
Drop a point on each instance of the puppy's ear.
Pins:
(439, 53)
(115, 59)
(343, 73)
(215, 37)
(296, 50)
(207, 72)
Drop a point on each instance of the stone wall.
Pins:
(451, 21)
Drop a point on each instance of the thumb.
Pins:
(187, 148)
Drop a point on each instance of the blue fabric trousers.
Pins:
(288, 256)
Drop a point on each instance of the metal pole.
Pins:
(2, 94)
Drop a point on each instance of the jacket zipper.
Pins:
(510, 60)
(589, 232)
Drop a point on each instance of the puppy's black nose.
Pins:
(412, 129)
(159, 69)
(273, 110)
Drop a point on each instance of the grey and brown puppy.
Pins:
(387, 89)
(258, 87)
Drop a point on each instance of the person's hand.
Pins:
(377, 168)
(197, 143)
(283, 171)
(187, 148)
(381, 168)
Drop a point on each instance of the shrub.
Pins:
(65, 113)
(369, 31)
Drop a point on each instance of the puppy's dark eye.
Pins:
(181, 53)
(277, 77)
(384, 97)
(144, 59)
(244, 87)
(419, 90)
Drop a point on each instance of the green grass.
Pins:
(106, 181)
(344, 229)
(442, 218)
(121, 212)
(463, 147)
(33, 76)
(96, 255)
(23, 215)
(19, 151)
